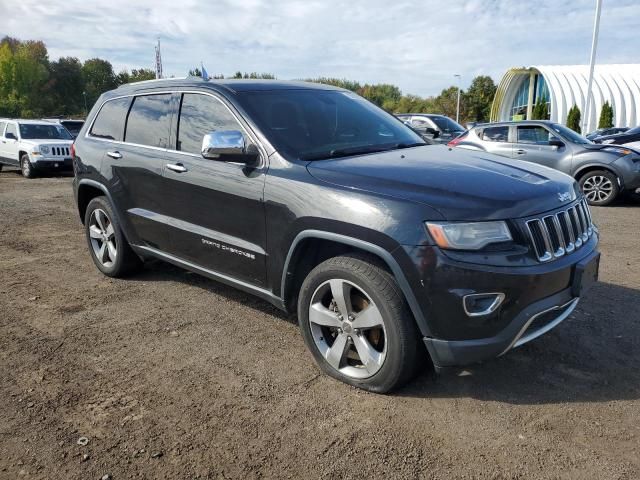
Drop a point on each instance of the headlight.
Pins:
(468, 236)
(44, 149)
(618, 150)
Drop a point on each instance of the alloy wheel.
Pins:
(348, 328)
(597, 188)
(103, 238)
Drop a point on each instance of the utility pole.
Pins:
(84, 94)
(458, 105)
(158, 60)
(594, 46)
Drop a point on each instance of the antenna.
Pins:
(158, 60)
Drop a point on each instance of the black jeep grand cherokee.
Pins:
(317, 201)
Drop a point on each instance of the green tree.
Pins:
(98, 78)
(446, 103)
(66, 87)
(573, 119)
(606, 116)
(479, 98)
(23, 76)
(540, 111)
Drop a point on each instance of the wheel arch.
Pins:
(327, 244)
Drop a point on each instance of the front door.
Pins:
(215, 207)
(532, 145)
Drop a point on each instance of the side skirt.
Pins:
(145, 251)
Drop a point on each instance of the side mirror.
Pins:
(554, 142)
(10, 136)
(229, 146)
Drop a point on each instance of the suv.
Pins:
(34, 145)
(601, 132)
(603, 171)
(319, 202)
(438, 128)
(73, 126)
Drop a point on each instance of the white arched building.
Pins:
(562, 86)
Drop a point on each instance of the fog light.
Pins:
(479, 304)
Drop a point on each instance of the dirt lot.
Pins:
(170, 375)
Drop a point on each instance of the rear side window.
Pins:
(109, 123)
(533, 134)
(199, 115)
(11, 128)
(495, 134)
(149, 121)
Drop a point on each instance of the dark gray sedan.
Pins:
(603, 171)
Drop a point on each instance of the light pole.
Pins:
(84, 94)
(457, 75)
(594, 46)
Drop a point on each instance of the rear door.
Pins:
(10, 146)
(496, 140)
(136, 164)
(215, 208)
(532, 145)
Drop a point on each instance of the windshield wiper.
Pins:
(345, 152)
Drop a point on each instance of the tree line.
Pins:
(32, 85)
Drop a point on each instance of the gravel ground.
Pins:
(170, 375)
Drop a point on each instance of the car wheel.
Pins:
(356, 322)
(26, 167)
(600, 187)
(109, 249)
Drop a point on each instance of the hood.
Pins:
(45, 141)
(460, 184)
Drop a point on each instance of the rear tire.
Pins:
(26, 168)
(108, 247)
(376, 351)
(600, 187)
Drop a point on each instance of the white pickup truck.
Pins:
(34, 146)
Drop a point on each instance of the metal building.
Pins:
(562, 86)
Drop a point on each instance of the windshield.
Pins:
(446, 124)
(569, 134)
(317, 124)
(49, 132)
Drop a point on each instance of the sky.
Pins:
(417, 45)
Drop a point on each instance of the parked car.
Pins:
(73, 126)
(632, 135)
(319, 202)
(606, 131)
(438, 128)
(34, 146)
(602, 171)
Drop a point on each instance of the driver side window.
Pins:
(201, 114)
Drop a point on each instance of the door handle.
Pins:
(115, 155)
(177, 167)
(521, 152)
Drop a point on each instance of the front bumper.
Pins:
(41, 163)
(628, 168)
(537, 298)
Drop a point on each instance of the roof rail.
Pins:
(155, 80)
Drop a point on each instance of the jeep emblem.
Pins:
(563, 197)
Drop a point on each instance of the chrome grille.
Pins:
(555, 235)
(60, 151)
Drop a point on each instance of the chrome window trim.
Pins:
(248, 132)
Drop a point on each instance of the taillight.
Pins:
(457, 140)
(73, 151)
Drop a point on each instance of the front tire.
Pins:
(356, 323)
(26, 168)
(108, 247)
(600, 187)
